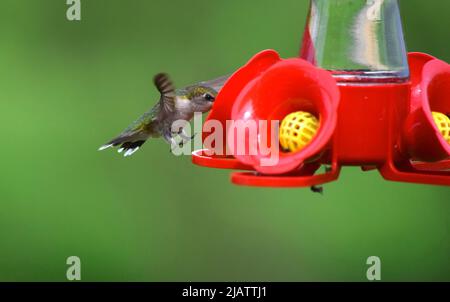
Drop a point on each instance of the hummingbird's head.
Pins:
(201, 98)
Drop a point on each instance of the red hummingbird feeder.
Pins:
(353, 97)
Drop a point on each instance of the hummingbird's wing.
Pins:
(165, 105)
(215, 84)
(167, 90)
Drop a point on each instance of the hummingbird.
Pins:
(174, 104)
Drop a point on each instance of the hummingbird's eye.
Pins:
(208, 97)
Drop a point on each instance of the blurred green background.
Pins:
(68, 87)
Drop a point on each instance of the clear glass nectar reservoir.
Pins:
(359, 41)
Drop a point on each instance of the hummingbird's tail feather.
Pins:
(105, 147)
(130, 147)
(129, 143)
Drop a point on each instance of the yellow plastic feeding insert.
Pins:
(443, 123)
(297, 130)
